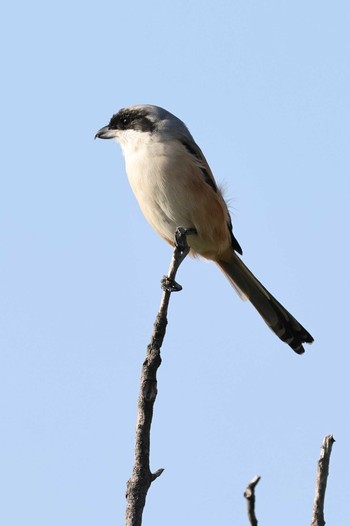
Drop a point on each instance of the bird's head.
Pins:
(136, 123)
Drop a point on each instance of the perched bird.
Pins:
(175, 187)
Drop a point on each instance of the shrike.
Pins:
(175, 187)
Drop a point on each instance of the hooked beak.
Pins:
(105, 133)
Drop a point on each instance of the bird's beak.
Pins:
(105, 133)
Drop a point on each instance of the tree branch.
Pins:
(250, 496)
(321, 481)
(142, 477)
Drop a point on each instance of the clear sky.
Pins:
(264, 87)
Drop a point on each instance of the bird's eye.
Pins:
(126, 120)
(120, 121)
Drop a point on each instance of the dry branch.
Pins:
(321, 481)
(250, 496)
(142, 477)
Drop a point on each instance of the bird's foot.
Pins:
(170, 285)
(181, 250)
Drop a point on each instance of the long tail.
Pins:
(283, 324)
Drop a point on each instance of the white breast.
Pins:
(157, 175)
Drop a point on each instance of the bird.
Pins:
(175, 187)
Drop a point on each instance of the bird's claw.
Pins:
(170, 285)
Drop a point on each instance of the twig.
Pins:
(142, 477)
(250, 496)
(321, 481)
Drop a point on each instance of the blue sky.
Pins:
(264, 88)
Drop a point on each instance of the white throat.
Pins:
(132, 141)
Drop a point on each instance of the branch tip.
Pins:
(249, 494)
(321, 481)
(156, 474)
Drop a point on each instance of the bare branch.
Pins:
(321, 481)
(250, 496)
(142, 477)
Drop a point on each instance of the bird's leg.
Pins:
(181, 245)
(181, 250)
